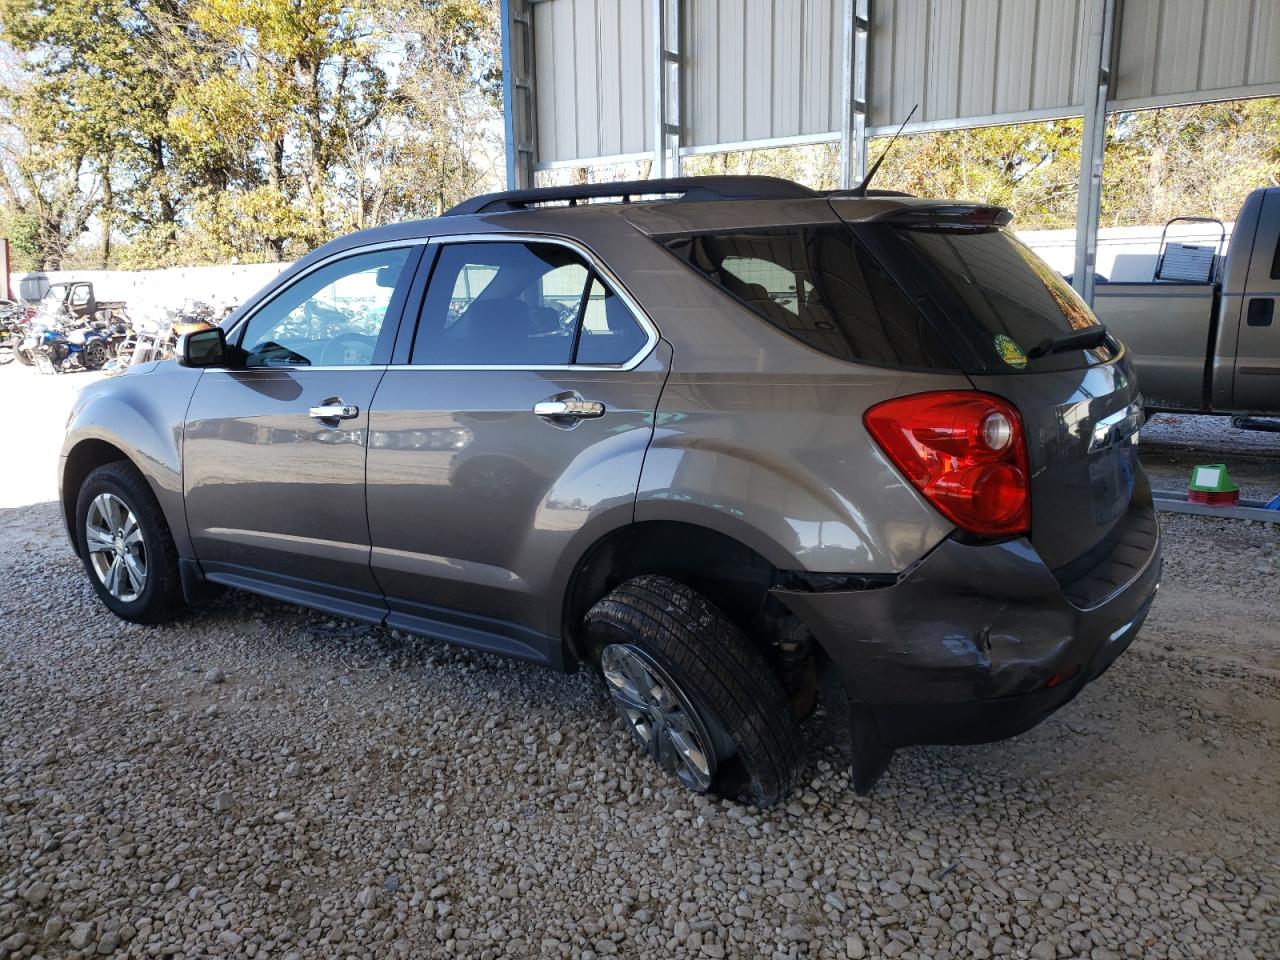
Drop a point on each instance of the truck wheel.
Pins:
(126, 546)
(695, 694)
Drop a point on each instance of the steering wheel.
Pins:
(359, 357)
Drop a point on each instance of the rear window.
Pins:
(936, 298)
(820, 284)
(1010, 299)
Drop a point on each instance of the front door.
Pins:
(1257, 383)
(518, 426)
(80, 302)
(274, 452)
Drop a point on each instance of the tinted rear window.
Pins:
(1005, 293)
(820, 284)
(974, 299)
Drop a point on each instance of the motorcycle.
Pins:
(13, 325)
(58, 351)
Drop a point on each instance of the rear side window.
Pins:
(820, 284)
(521, 304)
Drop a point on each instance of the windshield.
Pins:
(54, 295)
(50, 304)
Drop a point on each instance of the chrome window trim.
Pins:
(332, 258)
(286, 368)
(607, 276)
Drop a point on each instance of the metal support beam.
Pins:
(853, 128)
(518, 93)
(667, 95)
(1093, 149)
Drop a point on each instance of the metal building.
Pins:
(604, 81)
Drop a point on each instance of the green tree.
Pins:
(441, 142)
(92, 94)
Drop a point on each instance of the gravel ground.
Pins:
(1173, 443)
(258, 781)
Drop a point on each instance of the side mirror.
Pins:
(203, 348)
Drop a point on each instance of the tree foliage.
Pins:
(215, 130)
(196, 131)
(1159, 164)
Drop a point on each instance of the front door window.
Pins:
(332, 317)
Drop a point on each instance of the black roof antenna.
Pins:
(861, 189)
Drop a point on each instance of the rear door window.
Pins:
(517, 304)
(821, 285)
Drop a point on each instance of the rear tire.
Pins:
(94, 355)
(752, 736)
(133, 565)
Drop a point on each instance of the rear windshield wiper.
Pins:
(1094, 336)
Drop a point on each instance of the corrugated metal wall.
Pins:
(760, 70)
(1172, 48)
(593, 64)
(960, 59)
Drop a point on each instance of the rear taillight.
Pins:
(965, 451)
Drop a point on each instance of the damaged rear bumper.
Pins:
(980, 642)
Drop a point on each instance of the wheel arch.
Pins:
(80, 460)
(733, 576)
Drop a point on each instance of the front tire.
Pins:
(694, 693)
(126, 546)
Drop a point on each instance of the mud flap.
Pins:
(195, 588)
(870, 756)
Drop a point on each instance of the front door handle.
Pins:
(335, 409)
(574, 408)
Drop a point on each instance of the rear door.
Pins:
(993, 301)
(516, 424)
(274, 452)
(1257, 380)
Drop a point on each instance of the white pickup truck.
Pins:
(1204, 332)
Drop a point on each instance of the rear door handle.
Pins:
(576, 409)
(335, 409)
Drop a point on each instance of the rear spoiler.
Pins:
(947, 216)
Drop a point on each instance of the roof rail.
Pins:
(682, 188)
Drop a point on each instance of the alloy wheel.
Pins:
(117, 551)
(660, 716)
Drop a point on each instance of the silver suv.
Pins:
(713, 437)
